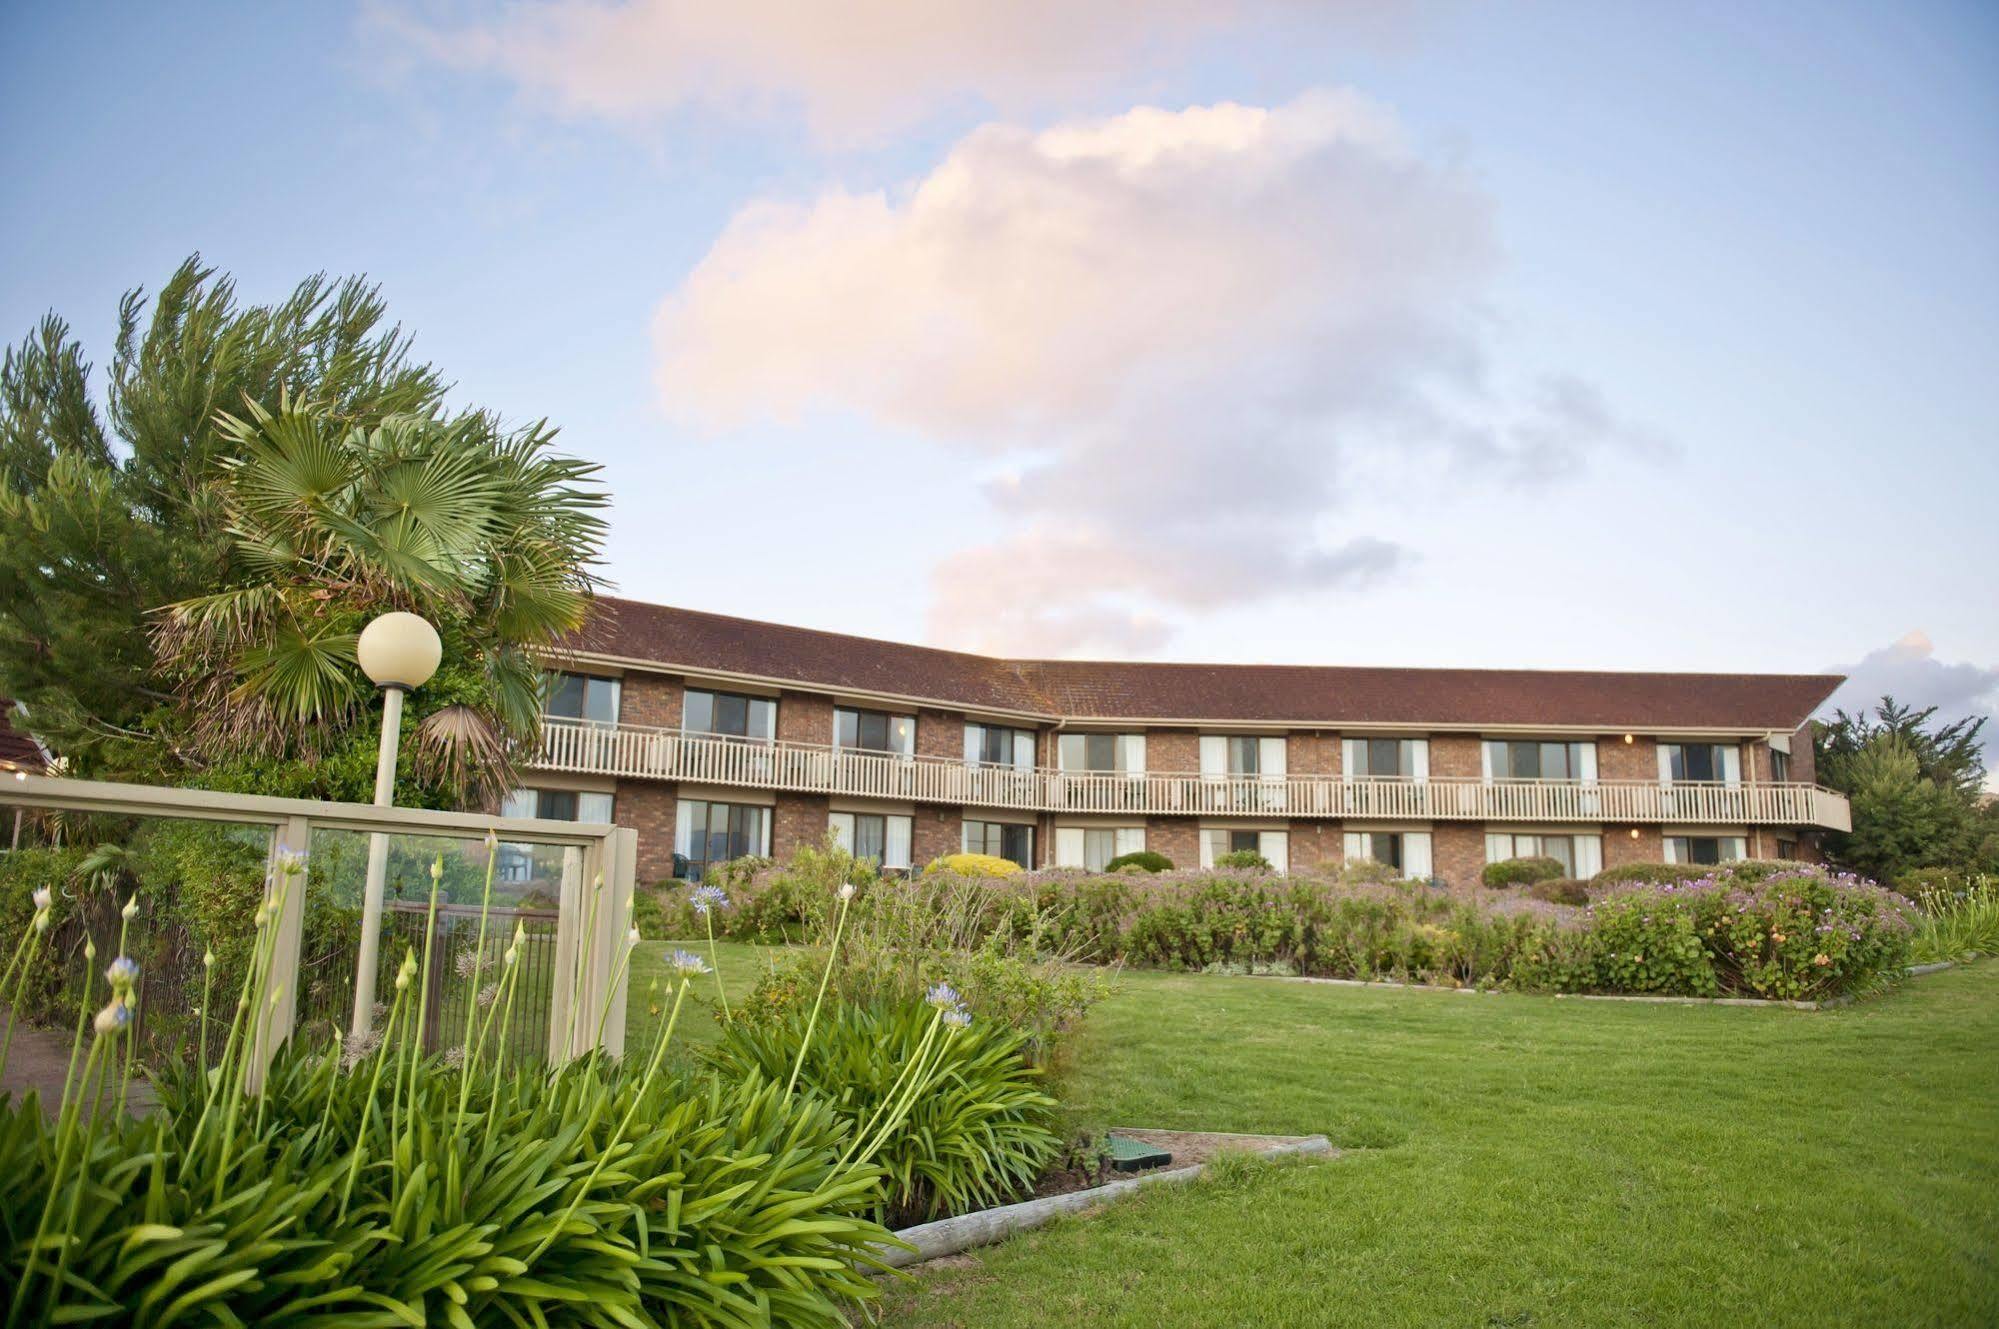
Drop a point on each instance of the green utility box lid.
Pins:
(1129, 1155)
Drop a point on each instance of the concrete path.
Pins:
(39, 1059)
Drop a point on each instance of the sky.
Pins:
(1579, 335)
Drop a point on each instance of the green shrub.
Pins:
(1561, 890)
(1795, 934)
(1920, 884)
(1654, 873)
(979, 1130)
(1145, 860)
(1521, 871)
(1959, 922)
(974, 865)
(1244, 859)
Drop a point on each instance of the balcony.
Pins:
(638, 752)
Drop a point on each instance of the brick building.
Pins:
(715, 736)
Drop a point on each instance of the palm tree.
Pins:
(489, 534)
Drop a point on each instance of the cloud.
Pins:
(1193, 344)
(858, 68)
(1908, 670)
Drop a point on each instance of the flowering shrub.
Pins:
(974, 865)
(1789, 934)
(1521, 871)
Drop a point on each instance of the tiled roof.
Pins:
(1327, 695)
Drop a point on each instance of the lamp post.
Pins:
(398, 652)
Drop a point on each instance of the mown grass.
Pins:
(1527, 1161)
(741, 963)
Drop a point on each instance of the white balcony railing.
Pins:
(669, 754)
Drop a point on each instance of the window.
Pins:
(730, 715)
(1530, 759)
(1787, 850)
(517, 861)
(1705, 848)
(1092, 847)
(1408, 851)
(992, 745)
(711, 833)
(874, 731)
(1780, 766)
(1241, 757)
(1001, 839)
(883, 837)
(1700, 763)
(1102, 754)
(1386, 758)
(1275, 846)
(1581, 856)
(582, 697)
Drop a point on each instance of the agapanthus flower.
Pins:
(943, 996)
(707, 898)
(43, 898)
(632, 937)
(467, 963)
(488, 995)
(847, 890)
(122, 973)
(291, 862)
(958, 1018)
(686, 964)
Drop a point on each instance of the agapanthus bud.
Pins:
(122, 973)
(113, 1018)
(632, 937)
(89, 948)
(208, 958)
(131, 909)
(437, 869)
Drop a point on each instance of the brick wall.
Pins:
(940, 734)
(1312, 754)
(1314, 843)
(1619, 848)
(937, 831)
(1176, 837)
(803, 717)
(1618, 760)
(650, 699)
(800, 819)
(648, 807)
(1457, 852)
(1804, 762)
(1455, 757)
(1175, 751)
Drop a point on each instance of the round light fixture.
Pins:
(1630, 738)
(399, 650)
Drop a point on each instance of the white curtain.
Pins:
(1731, 764)
(842, 826)
(1353, 757)
(1275, 846)
(1498, 848)
(1213, 845)
(1068, 846)
(1666, 751)
(1130, 839)
(683, 831)
(1418, 753)
(1214, 757)
(1270, 757)
(593, 807)
(974, 737)
(1023, 749)
(1589, 856)
(1416, 855)
(519, 803)
(1356, 846)
(1485, 761)
(895, 849)
(1131, 755)
(1586, 762)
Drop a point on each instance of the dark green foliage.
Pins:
(979, 1129)
(1647, 872)
(723, 1205)
(1521, 871)
(1248, 859)
(1915, 785)
(1561, 890)
(188, 569)
(1145, 859)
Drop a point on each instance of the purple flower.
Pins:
(943, 996)
(706, 898)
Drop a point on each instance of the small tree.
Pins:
(1914, 786)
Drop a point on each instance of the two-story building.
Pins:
(716, 737)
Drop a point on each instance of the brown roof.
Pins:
(16, 748)
(1110, 690)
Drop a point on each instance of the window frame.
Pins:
(750, 702)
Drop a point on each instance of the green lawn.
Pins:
(1526, 1161)
(741, 964)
